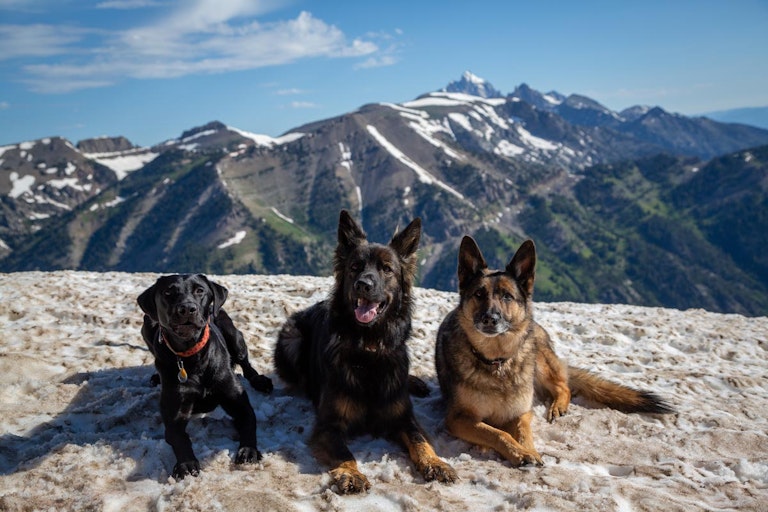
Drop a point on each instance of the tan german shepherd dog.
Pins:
(491, 355)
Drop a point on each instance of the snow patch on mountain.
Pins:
(266, 140)
(124, 162)
(423, 174)
(20, 184)
(239, 237)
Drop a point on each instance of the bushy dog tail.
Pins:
(616, 396)
(292, 352)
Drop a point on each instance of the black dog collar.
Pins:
(496, 363)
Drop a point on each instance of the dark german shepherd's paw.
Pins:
(349, 480)
(182, 469)
(261, 383)
(247, 455)
(439, 470)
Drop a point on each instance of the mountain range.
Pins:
(640, 206)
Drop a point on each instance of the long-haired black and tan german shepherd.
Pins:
(349, 354)
(491, 355)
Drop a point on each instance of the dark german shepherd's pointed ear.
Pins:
(350, 233)
(471, 261)
(219, 292)
(406, 242)
(523, 266)
(147, 302)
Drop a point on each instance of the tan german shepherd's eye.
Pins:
(507, 297)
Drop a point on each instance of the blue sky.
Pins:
(149, 69)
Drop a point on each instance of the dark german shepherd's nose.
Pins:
(365, 284)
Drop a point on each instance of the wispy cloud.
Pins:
(303, 104)
(128, 4)
(290, 92)
(377, 62)
(4, 105)
(40, 40)
(200, 37)
(384, 57)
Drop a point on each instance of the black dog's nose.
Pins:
(186, 309)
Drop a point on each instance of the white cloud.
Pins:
(200, 37)
(303, 104)
(38, 40)
(4, 105)
(127, 4)
(290, 92)
(377, 62)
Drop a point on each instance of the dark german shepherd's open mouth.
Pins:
(367, 311)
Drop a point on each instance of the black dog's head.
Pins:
(374, 279)
(495, 301)
(182, 304)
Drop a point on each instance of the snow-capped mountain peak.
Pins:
(473, 85)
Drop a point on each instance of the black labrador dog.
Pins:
(196, 346)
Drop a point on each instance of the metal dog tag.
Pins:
(182, 376)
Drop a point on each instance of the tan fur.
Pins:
(491, 355)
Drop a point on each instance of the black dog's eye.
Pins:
(387, 268)
(199, 290)
(356, 266)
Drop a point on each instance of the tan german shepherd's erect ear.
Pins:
(471, 262)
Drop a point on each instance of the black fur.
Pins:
(177, 309)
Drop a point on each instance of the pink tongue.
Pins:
(366, 312)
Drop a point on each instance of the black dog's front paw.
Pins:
(182, 469)
(261, 383)
(247, 455)
(154, 380)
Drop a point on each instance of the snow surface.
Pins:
(81, 427)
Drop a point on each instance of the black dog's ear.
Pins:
(406, 242)
(523, 266)
(147, 302)
(471, 261)
(219, 292)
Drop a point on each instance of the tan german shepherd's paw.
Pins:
(525, 458)
(557, 409)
